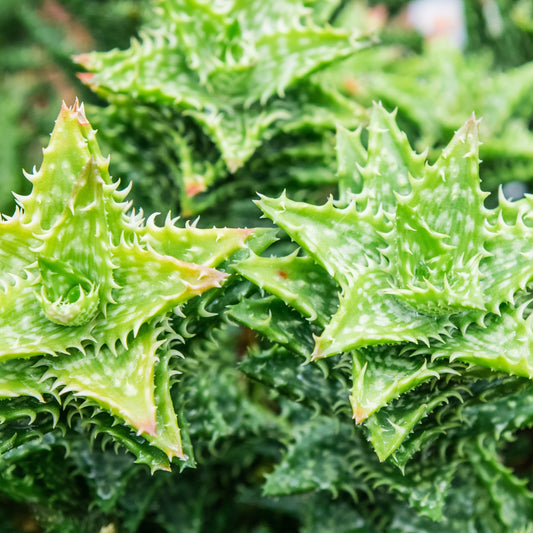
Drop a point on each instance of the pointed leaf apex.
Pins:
(378, 107)
(147, 427)
(82, 59)
(80, 110)
(77, 110)
(360, 414)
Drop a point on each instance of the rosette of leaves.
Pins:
(88, 291)
(409, 275)
(240, 71)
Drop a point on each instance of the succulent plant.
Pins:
(430, 283)
(402, 305)
(88, 291)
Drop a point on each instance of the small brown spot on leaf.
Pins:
(351, 85)
(192, 189)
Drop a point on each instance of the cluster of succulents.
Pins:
(349, 351)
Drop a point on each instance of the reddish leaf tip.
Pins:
(85, 77)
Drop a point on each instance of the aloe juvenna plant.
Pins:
(87, 288)
(421, 265)
(362, 363)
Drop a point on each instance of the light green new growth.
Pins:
(88, 288)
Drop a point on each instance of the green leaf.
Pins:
(439, 232)
(390, 426)
(21, 377)
(123, 383)
(273, 319)
(291, 278)
(383, 373)
(503, 343)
